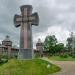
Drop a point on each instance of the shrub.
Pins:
(15, 56)
(2, 61)
(5, 57)
(64, 56)
(73, 56)
(37, 55)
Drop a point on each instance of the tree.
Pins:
(69, 43)
(59, 47)
(50, 43)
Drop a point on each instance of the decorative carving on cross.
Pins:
(26, 16)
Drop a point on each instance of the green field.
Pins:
(27, 67)
(58, 58)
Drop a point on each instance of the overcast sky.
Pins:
(57, 17)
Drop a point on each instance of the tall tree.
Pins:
(59, 47)
(69, 43)
(50, 43)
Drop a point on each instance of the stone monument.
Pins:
(26, 20)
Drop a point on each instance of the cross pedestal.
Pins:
(25, 54)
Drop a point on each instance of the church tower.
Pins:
(39, 47)
(8, 43)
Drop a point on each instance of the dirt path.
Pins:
(68, 67)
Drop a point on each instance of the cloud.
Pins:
(55, 16)
(55, 12)
(60, 33)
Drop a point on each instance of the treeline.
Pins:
(52, 45)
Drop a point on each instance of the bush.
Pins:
(14, 56)
(73, 56)
(2, 61)
(37, 55)
(5, 57)
(64, 56)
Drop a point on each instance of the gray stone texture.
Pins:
(26, 20)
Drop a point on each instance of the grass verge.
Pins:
(28, 67)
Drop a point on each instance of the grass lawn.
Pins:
(58, 58)
(27, 67)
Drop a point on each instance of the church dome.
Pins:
(7, 38)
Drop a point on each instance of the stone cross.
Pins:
(26, 20)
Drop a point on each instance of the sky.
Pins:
(56, 17)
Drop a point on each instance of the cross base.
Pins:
(25, 54)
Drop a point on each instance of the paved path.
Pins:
(67, 67)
